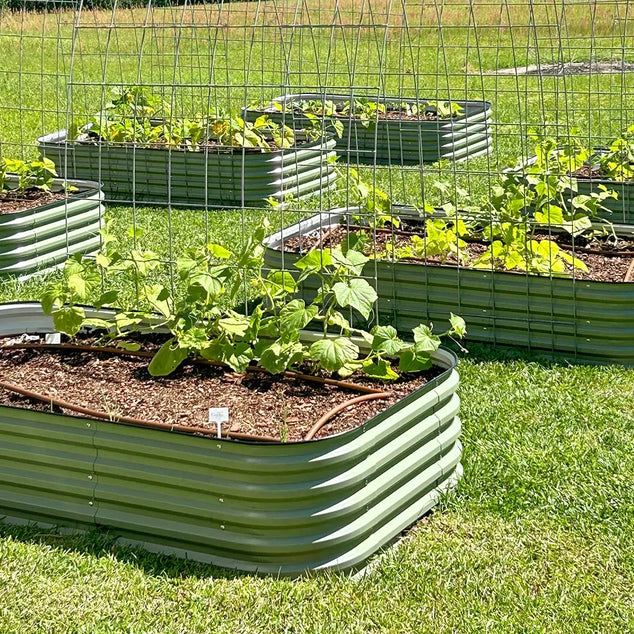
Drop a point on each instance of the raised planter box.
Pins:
(43, 237)
(400, 142)
(270, 508)
(582, 319)
(194, 179)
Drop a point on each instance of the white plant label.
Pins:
(219, 415)
(53, 338)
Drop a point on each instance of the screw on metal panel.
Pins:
(219, 446)
(90, 477)
(220, 500)
(87, 424)
(222, 526)
(90, 503)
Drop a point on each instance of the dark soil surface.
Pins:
(604, 261)
(258, 403)
(11, 201)
(211, 146)
(588, 172)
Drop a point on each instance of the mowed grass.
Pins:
(539, 536)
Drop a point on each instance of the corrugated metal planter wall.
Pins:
(43, 237)
(274, 508)
(401, 142)
(581, 318)
(157, 176)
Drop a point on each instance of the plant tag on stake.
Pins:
(219, 415)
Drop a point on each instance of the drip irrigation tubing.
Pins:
(335, 410)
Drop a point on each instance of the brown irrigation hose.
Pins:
(139, 353)
(335, 410)
(127, 419)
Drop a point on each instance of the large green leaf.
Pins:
(234, 325)
(315, 260)
(458, 325)
(333, 354)
(385, 340)
(50, 297)
(380, 370)
(352, 261)
(295, 316)
(169, 356)
(425, 339)
(356, 293)
(412, 360)
(279, 356)
(68, 319)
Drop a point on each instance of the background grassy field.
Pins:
(539, 536)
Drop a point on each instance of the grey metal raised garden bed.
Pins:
(394, 141)
(43, 237)
(197, 179)
(583, 319)
(272, 508)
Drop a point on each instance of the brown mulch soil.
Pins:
(258, 403)
(602, 267)
(402, 115)
(30, 199)
(587, 171)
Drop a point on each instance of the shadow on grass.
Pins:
(101, 542)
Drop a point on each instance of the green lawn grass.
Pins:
(539, 536)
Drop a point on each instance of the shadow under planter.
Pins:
(263, 507)
(582, 319)
(397, 141)
(43, 237)
(211, 178)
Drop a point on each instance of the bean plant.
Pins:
(203, 322)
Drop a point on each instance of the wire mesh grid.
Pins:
(446, 118)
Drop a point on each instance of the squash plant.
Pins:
(366, 110)
(614, 162)
(138, 117)
(37, 174)
(202, 322)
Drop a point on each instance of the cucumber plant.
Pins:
(202, 322)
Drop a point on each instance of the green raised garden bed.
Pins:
(580, 318)
(239, 178)
(43, 237)
(266, 507)
(398, 141)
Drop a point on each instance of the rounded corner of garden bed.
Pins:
(41, 237)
